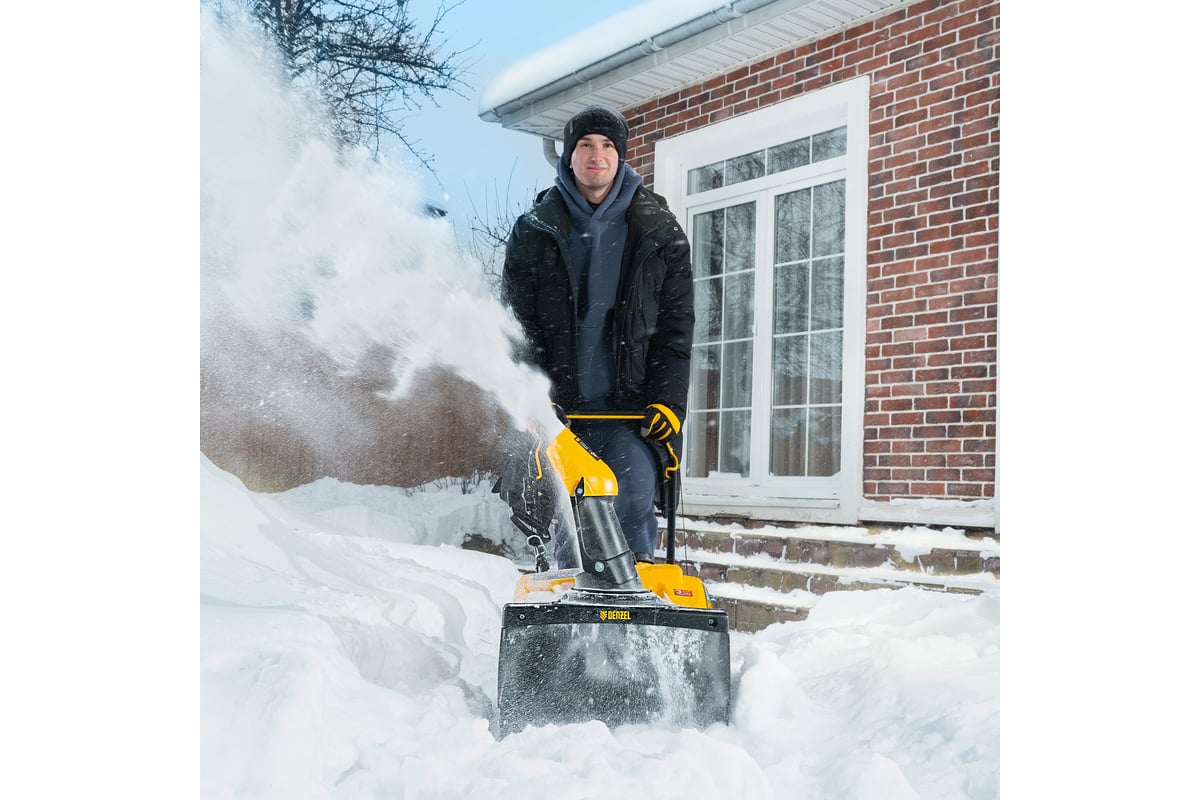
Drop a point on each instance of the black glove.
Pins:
(660, 422)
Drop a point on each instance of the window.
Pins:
(723, 264)
(780, 158)
(809, 278)
(775, 207)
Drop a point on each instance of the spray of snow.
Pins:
(304, 240)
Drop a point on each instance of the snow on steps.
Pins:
(774, 573)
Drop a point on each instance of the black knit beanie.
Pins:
(595, 119)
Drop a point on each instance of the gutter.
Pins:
(722, 15)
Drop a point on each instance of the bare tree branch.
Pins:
(490, 227)
(368, 59)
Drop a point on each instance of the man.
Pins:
(599, 274)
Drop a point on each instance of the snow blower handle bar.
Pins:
(668, 486)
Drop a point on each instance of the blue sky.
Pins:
(474, 159)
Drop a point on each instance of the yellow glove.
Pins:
(660, 422)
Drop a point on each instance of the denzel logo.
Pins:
(614, 615)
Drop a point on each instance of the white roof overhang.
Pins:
(715, 42)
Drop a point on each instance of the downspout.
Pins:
(550, 151)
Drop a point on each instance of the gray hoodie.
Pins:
(597, 241)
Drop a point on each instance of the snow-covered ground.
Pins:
(348, 645)
(348, 649)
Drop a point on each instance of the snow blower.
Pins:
(611, 640)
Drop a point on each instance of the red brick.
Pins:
(933, 211)
(933, 403)
(895, 404)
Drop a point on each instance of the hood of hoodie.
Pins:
(625, 183)
(597, 248)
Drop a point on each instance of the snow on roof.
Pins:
(628, 28)
(655, 48)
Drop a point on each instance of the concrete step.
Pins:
(775, 574)
(757, 591)
(928, 551)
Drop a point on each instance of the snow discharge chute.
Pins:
(613, 640)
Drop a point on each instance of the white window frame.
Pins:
(838, 498)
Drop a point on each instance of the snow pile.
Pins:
(447, 516)
(338, 662)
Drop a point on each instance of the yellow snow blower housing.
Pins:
(668, 581)
(610, 640)
(580, 469)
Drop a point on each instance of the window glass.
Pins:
(788, 156)
(806, 357)
(735, 443)
(707, 305)
(708, 177)
(829, 219)
(824, 441)
(829, 144)
(791, 298)
(703, 442)
(779, 158)
(824, 369)
(706, 374)
(788, 434)
(718, 438)
(739, 306)
(739, 244)
(736, 366)
(793, 223)
(745, 168)
(791, 370)
(708, 244)
(829, 279)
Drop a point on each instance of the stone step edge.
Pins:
(911, 538)
(982, 581)
(844, 554)
(747, 616)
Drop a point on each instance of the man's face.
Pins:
(594, 162)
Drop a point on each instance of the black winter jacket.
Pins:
(653, 319)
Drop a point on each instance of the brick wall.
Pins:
(933, 226)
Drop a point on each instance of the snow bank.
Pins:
(338, 662)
